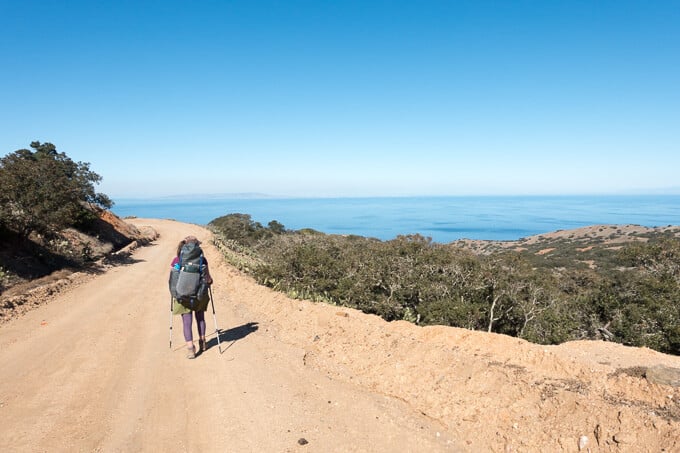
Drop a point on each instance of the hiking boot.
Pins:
(201, 346)
(191, 353)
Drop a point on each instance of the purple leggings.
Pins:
(200, 322)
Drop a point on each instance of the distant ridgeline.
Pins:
(606, 282)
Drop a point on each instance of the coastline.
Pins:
(444, 219)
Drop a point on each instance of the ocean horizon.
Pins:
(444, 219)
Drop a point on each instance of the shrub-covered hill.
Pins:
(51, 216)
(618, 283)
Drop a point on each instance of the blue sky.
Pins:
(349, 98)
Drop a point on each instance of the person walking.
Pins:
(194, 306)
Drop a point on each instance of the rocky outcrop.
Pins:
(663, 375)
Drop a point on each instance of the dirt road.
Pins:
(92, 371)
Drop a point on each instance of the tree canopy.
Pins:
(43, 190)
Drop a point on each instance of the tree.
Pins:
(241, 228)
(276, 227)
(44, 190)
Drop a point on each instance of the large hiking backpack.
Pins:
(187, 279)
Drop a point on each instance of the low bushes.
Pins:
(632, 298)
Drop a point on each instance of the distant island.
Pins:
(216, 196)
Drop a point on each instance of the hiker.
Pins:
(195, 304)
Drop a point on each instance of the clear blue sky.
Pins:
(349, 98)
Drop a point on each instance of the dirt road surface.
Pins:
(92, 371)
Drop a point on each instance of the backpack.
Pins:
(187, 279)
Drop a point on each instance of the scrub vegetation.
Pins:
(548, 289)
(44, 193)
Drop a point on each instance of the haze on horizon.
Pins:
(356, 98)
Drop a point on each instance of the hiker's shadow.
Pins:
(232, 335)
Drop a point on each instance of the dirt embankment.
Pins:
(110, 243)
(492, 392)
(92, 369)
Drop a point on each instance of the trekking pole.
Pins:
(217, 331)
(170, 322)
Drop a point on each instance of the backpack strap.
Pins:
(194, 298)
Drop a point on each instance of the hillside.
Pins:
(34, 269)
(288, 370)
(579, 243)
(620, 283)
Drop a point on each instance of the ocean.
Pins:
(444, 219)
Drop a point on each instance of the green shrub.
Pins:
(630, 296)
(45, 191)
